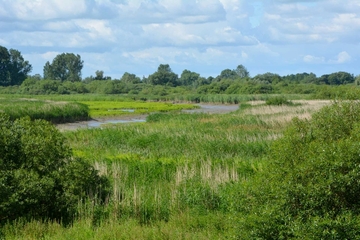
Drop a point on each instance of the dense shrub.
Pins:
(39, 178)
(278, 100)
(311, 188)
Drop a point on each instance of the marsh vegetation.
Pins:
(217, 176)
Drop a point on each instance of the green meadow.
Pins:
(213, 176)
(177, 176)
(116, 108)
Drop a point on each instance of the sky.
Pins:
(204, 36)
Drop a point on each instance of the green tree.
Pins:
(13, 68)
(188, 78)
(130, 78)
(163, 76)
(64, 67)
(99, 75)
(339, 78)
(242, 72)
(4, 65)
(39, 178)
(228, 74)
(267, 78)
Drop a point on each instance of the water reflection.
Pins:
(94, 124)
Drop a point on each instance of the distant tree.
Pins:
(13, 68)
(242, 72)
(339, 78)
(64, 67)
(4, 65)
(228, 74)
(267, 78)
(188, 78)
(130, 78)
(99, 75)
(35, 76)
(163, 76)
(357, 80)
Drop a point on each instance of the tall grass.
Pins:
(56, 112)
(177, 176)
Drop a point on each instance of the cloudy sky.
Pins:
(205, 36)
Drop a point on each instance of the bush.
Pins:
(39, 178)
(311, 188)
(279, 100)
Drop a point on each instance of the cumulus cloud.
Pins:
(343, 57)
(140, 34)
(41, 9)
(313, 59)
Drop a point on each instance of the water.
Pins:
(204, 108)
(94, 124)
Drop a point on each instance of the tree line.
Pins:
(67, 67)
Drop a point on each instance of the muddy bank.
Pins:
(204, 108)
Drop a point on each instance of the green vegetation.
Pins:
(311, 184)
(56, 112)
(39, 178)
(278, 100)
(115, 108)
(250, 174)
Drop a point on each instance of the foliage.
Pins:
(188, 78)
(116, 108)
(65, 66)
(39, 179)
(13, 67)
(278, 100)
(337, 78)
(311, 186)
(56, 112)
(163, 76)
(241, 71)
(130, 78)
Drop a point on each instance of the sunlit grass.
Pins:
(116, 108)
(177, 176)
(54, 111)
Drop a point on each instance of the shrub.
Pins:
(279, 100)
(311, 188)
(39, 178)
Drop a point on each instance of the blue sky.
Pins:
(205, 36)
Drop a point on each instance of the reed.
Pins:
(56, 112)
(178, 175)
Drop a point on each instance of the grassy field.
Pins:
(177, 176)
(54, 111)
(116, 108)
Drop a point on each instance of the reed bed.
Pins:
(177, 176)
(54, 111)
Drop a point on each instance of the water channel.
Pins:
(204, 108)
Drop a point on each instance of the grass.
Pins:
(56, 112)
(177, 176)
(116, 108)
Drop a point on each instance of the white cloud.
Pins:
(41, 9)
(204, 35)
(313, 59)
(343, 57)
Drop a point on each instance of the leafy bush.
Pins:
(38, 176)
(278, 100)
(311, 188)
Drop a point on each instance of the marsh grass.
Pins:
(116, 108)
(177, 176)
(56, 112)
